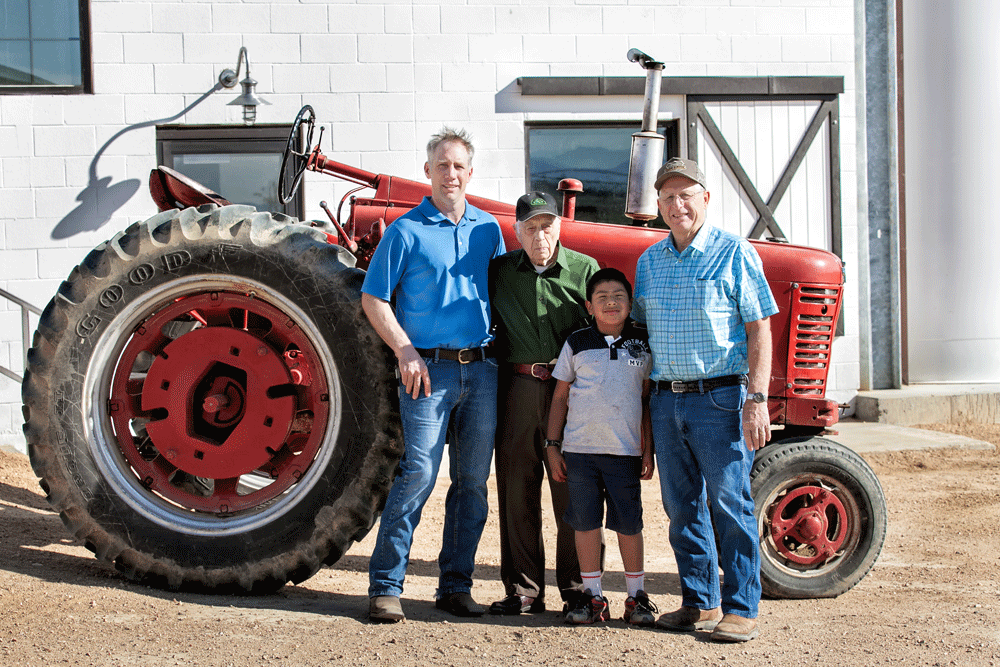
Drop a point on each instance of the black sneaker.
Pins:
(515, 604)
(572, 599)
(590, 609)
(639, 610)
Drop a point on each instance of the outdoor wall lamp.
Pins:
(248, 99)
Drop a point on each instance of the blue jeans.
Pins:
(462, 410)
(704, 477)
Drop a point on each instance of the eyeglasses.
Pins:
(682, 198)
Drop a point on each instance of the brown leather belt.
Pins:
(463, 356)
(539, 371)
(700, 386)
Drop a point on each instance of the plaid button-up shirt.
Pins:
(696, 303)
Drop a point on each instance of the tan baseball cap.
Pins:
(679, 167)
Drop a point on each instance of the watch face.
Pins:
(758, 397)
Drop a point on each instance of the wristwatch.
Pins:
(553, 443)
(757, 397)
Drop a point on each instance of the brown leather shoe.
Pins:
(385, 609)
(733, 628)
(689, 619)
(460, 604)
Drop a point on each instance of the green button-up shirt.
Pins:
(534, 312)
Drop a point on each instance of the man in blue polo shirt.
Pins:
(434, 261)
(702, 294)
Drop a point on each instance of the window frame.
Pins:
(86, 85)
(228, 139)
(671, 128)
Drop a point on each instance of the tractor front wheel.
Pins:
(821, 515)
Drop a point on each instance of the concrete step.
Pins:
(864, 437)
(930, 404)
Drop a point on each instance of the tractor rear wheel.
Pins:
(206, 405)
(821, 515)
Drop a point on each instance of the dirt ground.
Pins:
(931, 599)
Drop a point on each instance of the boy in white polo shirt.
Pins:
(601, 398)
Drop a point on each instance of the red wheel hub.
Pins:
(174, 383)
(808, 525)
(225, 402)
(217, 386)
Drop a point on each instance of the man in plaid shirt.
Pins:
(702, 294)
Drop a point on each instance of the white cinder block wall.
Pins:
(382, 77)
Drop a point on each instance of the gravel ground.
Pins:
(931, 599)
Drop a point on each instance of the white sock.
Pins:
(592, 580)
(635, 581)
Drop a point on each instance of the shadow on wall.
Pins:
(100, 199)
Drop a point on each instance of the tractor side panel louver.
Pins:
(813, 323)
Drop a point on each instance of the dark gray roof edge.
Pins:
(683, 85)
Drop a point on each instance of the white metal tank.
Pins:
(951, 79)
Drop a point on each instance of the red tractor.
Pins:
(207, 407)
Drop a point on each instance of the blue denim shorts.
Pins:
(594, 479)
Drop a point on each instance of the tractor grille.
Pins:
(813, 324)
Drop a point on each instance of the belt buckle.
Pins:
(678, 387)
(461, 358)
(544, 374)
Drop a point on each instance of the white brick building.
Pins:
(382, 77)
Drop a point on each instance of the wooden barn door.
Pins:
(773, 165)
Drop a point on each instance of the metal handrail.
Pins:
(26, 308)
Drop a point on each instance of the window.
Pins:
(45, 46)
(239, 163)
(597, 154)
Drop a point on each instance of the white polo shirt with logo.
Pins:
(605, 396)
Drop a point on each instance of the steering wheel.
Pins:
(293, 163)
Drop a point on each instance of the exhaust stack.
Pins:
(647, 145)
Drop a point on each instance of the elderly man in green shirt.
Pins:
(537, 295)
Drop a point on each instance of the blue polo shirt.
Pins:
(437, 271)
(696, 304)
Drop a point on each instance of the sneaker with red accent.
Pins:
(639, 610)
(590, 609)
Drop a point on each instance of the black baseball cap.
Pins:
(536, 203)
(680, 167)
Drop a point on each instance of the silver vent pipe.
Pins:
(647, 145)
